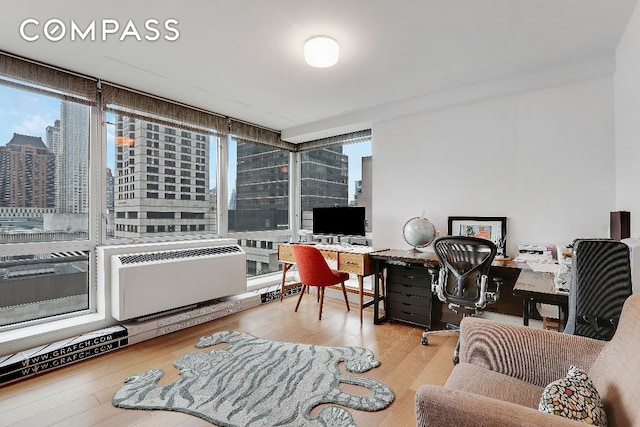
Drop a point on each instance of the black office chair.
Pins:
(462, 280)
(600, 284)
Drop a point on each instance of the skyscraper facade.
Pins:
(74, 170)
(262, 189)
(262, 185)
(27, 170)
(161, 180)
(324, 178)
(54, 143)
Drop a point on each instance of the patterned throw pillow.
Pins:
(574, 397)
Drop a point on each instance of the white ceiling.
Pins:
(243, 58)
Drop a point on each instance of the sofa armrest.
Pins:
(533, 355)
(438, 406)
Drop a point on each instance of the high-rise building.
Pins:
(161, 180)
(75, 122)
(324, 176)
(110, 191)
(262, 189)
(27, 169)
(262, 185)
(53, 141)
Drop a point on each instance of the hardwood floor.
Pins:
(80, 394)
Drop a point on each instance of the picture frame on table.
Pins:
(492, 228)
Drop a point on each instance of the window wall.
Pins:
(45, 202)
(85, 163)
(336, 174)
(258, 197)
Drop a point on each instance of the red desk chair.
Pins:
(314, 271)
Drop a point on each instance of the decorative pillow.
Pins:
(574, 397)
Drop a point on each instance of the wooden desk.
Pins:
(348, 259)
(536, 287)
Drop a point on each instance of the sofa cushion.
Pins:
(478, 380)
(574, 397)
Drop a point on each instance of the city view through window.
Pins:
(44, 198)
(160, 180)
(161, 184)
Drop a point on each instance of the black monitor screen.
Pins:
(342, 221)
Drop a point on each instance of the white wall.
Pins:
(627, 122)
(544, 159)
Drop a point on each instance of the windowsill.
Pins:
(48, 330)
(263, 281)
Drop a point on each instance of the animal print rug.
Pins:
(254, 381)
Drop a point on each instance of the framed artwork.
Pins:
(492, 228)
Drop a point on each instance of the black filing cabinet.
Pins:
(408, 295)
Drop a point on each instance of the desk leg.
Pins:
(376, 292)
(526, 307)
(563, 315)
(361, 290)
(285, 268)
(381, 283)
(380, 292)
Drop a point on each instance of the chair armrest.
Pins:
(439, 406)
(533, 355)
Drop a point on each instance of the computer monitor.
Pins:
(339, 221)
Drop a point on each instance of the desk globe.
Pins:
(418, 232)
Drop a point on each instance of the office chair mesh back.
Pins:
(464, 265)
(601, 282)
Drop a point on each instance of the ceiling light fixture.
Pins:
(321, 51)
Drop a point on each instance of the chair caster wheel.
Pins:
(425, 341)
(456, 360)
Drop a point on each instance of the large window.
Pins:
(336, 172)
(258, 196)
(44, 167)
(161, 179)
(45, 201)
(336, 175)
(259, 187)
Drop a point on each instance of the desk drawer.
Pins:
(351, 263)
(410, 290)
(409, 298)
(285, 253)
(409, 275)
(418, 315)
(329, 255)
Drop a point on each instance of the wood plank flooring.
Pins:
(80, 394)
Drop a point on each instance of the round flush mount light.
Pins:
(321, 51)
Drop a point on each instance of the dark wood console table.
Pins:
(408, 296)
(407, 289)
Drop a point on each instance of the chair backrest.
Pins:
(312, 266)
(600, 284)
(464, 270)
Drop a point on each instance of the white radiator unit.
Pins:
(152, 282)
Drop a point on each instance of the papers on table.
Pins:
(544, 267)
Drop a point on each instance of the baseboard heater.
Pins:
(145, 283)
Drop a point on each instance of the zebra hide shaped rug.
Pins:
(254, 381)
